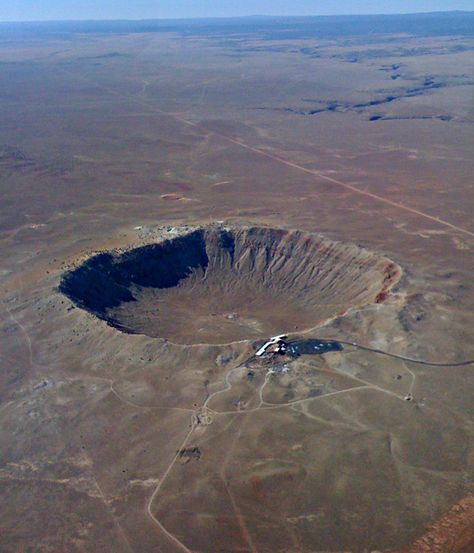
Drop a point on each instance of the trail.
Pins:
(263, 406)
(111, 513)
(359, 427)
(413, 379)
(238, 513)
(170, 536)
(26, 335)
(402, 357)
(85, 377)
(272, 406)
(260, 391)
(150, 407)
(347, 186)
(319, 175)
(227, 386)
(274, 157)
(367, 383)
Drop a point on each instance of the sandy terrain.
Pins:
(171, 437)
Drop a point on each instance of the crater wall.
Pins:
(215, 285)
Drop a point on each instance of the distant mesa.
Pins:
(223, 284)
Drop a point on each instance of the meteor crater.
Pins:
(223, 284)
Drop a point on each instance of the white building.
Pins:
(275, 340)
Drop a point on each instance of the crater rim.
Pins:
(103, 264)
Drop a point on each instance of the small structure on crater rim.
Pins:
(274, 345)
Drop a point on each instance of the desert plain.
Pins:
(174, 194)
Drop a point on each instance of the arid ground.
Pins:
(325, 171)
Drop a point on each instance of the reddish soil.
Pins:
(453, 533)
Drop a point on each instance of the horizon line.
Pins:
(227, 17)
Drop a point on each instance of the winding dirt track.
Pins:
(170, 536)
(417, 547)
(322, 176)
(452, 531)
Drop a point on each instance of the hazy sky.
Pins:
(22, 10)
